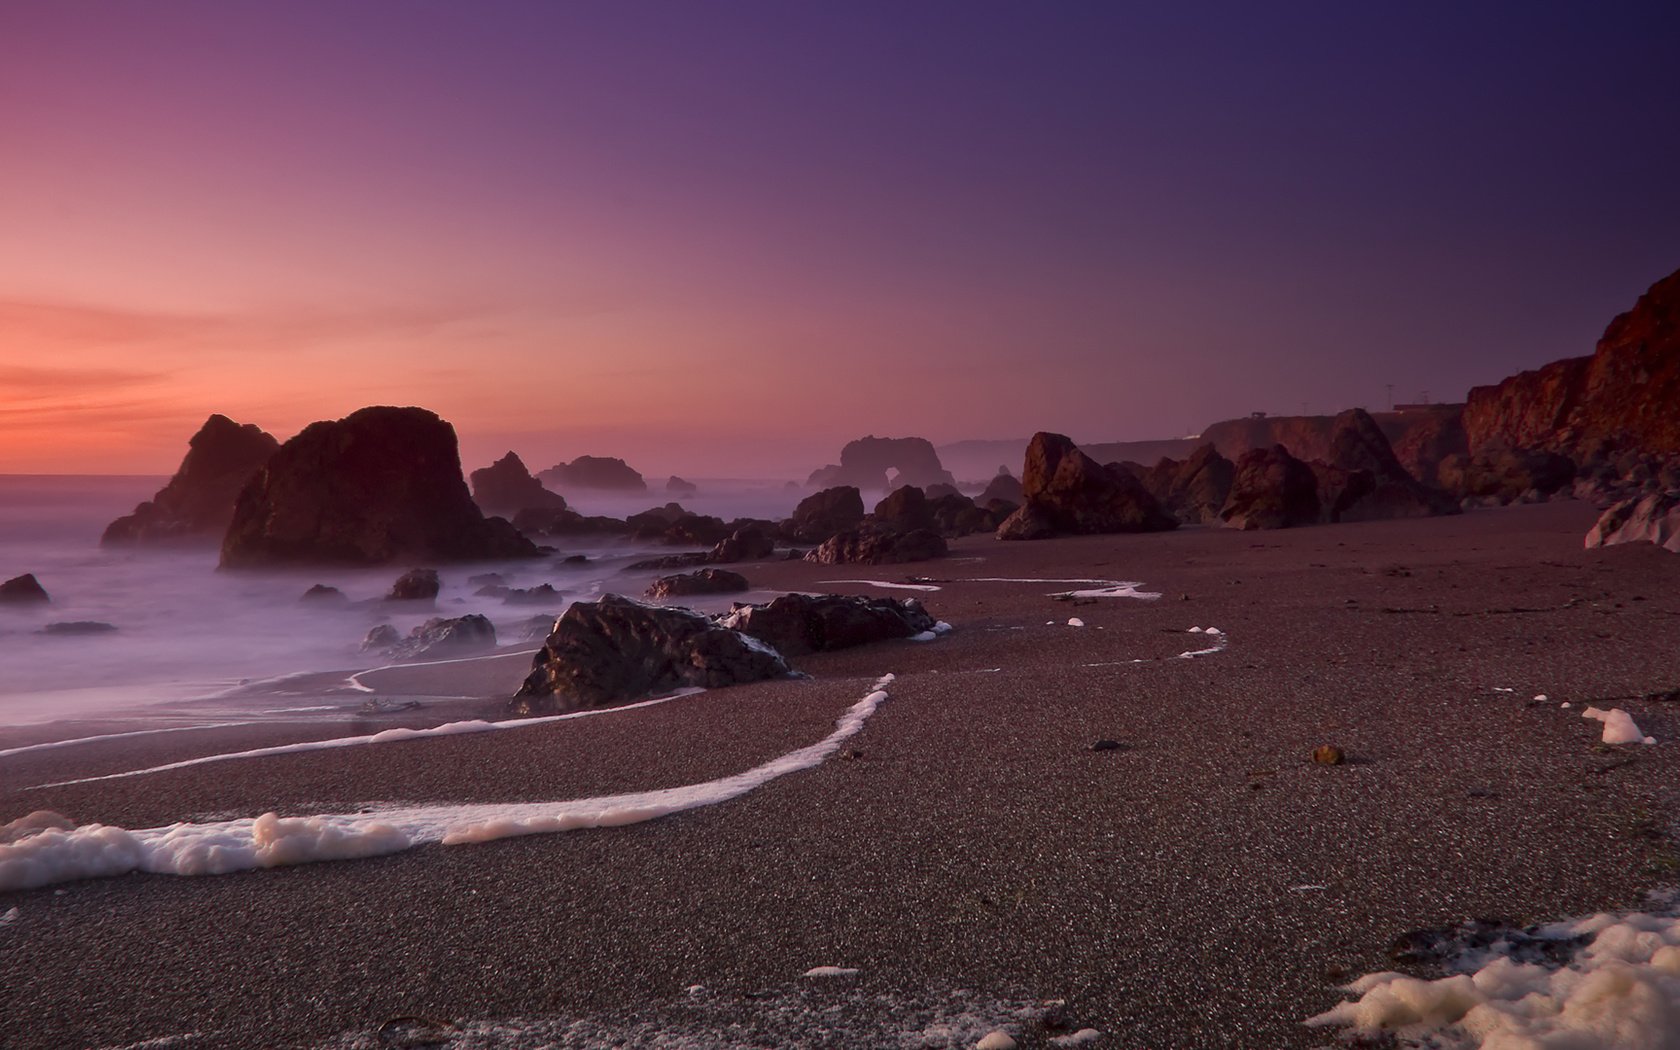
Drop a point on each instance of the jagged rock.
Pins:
(79, 627)
(957, 515)
(905, 509)
(23, 590)
(706, 581)
(415, 585)
(617, 650)
(1420, 436)
(865, 463)
(808, 623)
(872, 545)
(542, 594)
(1004, 487)
(678, 487)
(1650, 519)
(1271, 490)
(379, 485)
(1196, 489)
(1620, 397)
(197, 503)
(322, 593)
(1072, 493)
(506, 486)
(825, 513)
(1365, 480)
(382, 637)
(440, 635)
(752, 543)
(594, 472)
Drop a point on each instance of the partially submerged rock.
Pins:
(198, 501)
(448, 635)
(323, 593)
(679, 487)
(382, 484)
(617, 650)
(415, 585)
(79, 627)
(806, 623)
(705, 581)
(1651, 519)
(595, 472)
(23, 590)
(507, 487)
(751, 543)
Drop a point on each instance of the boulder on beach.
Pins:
(1363, 479)
(1193, 489)
(380, 485)
(868, 463)
(956, 515)
(595, 472)
(447, 636)
(874, 545)
(810, 623)
(507, 487)
(906, 509)
(197, 503)
(1650, 519)
(749, 543)
(705, 581)
(23, 590)
(1071, 493)
(617, 650)
(1271, 490)
(415, 585)
(822, 514)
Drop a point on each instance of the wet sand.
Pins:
(975, 842)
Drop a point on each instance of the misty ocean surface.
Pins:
(188, 636)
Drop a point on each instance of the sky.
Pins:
(722, 239)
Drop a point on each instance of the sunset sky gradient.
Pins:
(722, 239)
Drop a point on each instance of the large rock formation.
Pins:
(198, 501)
(807, 623)
(506, 487)
(1195, 489)
(1622, 397)
(1271, 490)
(1068, 492)
(1365, 480)
(616, 650)
(594, 472)
(380, 485)
(865, 463)
(825, 513)
(1651, 519)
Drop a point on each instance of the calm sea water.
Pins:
(186, 631)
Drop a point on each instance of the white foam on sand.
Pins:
(1221, 642)
(387, 736)
(888, 586)
(830, 971)
(1093, 588)
(355, 681)
(117, 736)
(1620, 991)
(40, 856)
(940, 629)
(1083, 1037)
(1619, 727)
(1074, 621)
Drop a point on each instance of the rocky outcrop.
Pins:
(678, 487)
(874, 545)
(594, 472)
(198, 501)
(1271, 490)
(1650, 519)
(806, 623)
(866, 463)
(905, 509)
(617, 650)
(1496, 475)
(1193, 490)
(1073, 494)
(825, 513)
(1364, 480)
(415, 585)
(705, 581)
(447, 637)
(23, 590)
(1420, 436)
(1622, 397)
(506, 487)
(957, 515)
(1003, 487)
(379, 485)
(749, 543)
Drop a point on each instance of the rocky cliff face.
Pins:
(1620, 398)
(379, 485)
(198, 501)
(1420, 438)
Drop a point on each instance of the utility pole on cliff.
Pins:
(1390, 387)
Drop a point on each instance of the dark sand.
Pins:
(978, 843)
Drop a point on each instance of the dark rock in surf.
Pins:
(809, 623)
(23, 590)
(678, 487)
(822, 514)
(448, 636)
(324, 594)
(872, 545)
(595, 472)
(507, 487)
(706, 581)
(79, 627)
(752, 543)
(198, 501)
(415, 585)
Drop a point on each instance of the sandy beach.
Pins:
(968, 852)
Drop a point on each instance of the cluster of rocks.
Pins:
(451, 636)
(617, 650)
(1066, 492)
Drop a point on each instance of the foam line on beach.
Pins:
(32, 855)
(355, 681)
(889, 586)
(388, 736)
(1092, 588)
(116, 736)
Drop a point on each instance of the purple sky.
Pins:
(725, 238)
